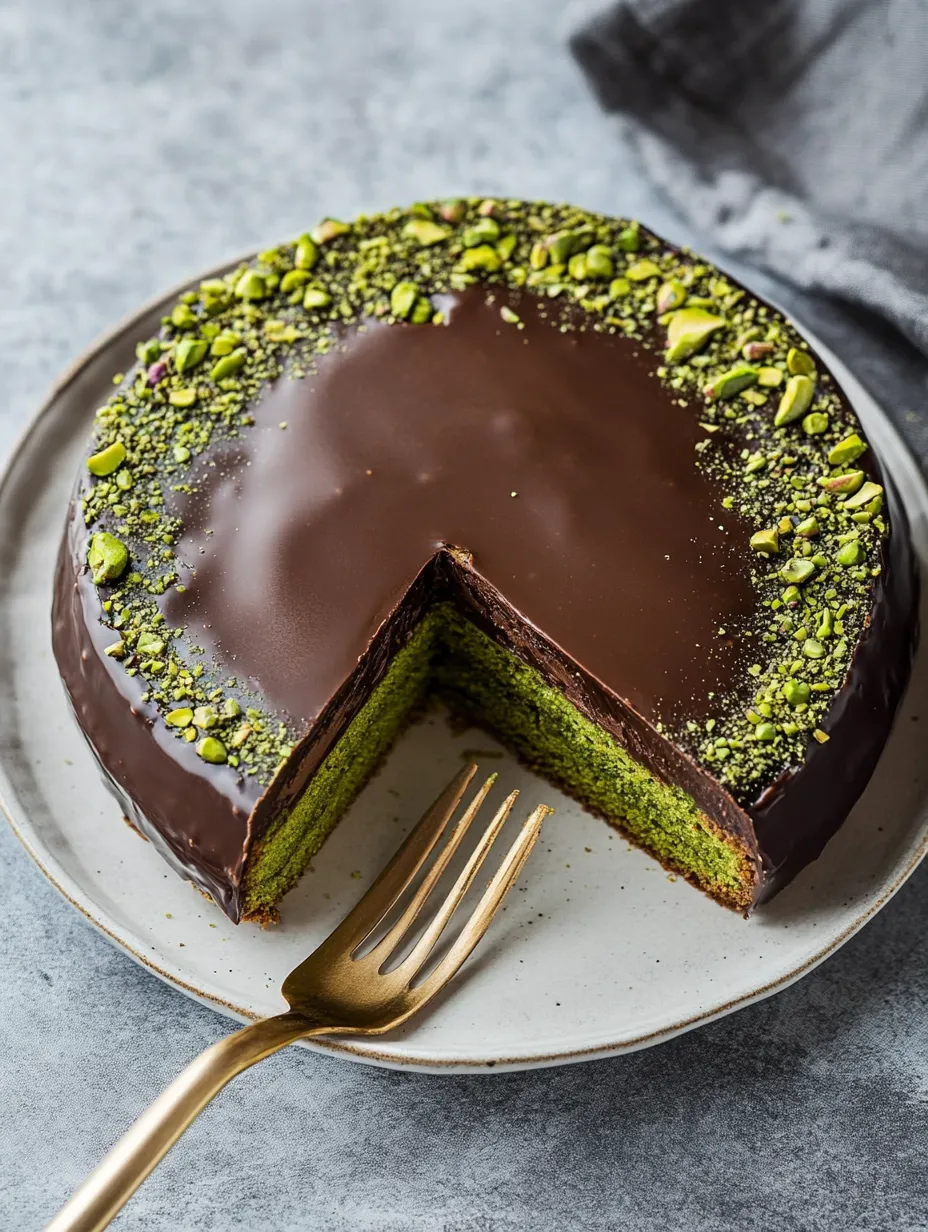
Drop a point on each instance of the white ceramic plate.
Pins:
(598, 952)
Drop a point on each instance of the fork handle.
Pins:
(128, 1163)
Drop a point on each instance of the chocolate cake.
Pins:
(576, 481)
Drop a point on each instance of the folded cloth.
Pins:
(794, 132)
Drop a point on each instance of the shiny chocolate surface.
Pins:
(586, 540)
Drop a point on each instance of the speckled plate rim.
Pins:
(899, 461)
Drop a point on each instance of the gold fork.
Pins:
(336, 990)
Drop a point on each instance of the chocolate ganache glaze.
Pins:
(504, 443)
(544, 481)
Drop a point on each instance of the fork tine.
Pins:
(426, 943)
(419, 844)
(483, 913)
(397, 931)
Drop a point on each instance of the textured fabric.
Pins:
(791, 131)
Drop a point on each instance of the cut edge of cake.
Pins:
(451, 656)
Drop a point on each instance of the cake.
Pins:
(574, 480)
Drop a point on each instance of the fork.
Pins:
(337, 990)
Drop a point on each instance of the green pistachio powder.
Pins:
(733, 361)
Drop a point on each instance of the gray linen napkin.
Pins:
(795, 132)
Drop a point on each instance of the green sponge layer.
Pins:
(491, 686)
(278, 861)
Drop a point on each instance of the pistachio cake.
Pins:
(578, 482)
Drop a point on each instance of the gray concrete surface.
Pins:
(138, 143)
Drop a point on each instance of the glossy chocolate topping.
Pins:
(586, 540)
(555, 459)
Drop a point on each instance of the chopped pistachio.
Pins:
(215, 295)
(422, 311)
(182, 397)
(212, 750)
(641, 271)
(107, 557)
(848, 450)
(403, 299)
(293, 280)
(251, 286)
(225, 342)
(815, 423)
(453, 210)
(599, 262)
(316, 297)
(753, 351)
(796, 692)
(107, 460)
(800, 363)
(484, 231)
(851, 553)
(808, 527)
(240, 735)
(689, 331)
(228, 365)
(844, 485)
(330, 229)
(188, 353)
(305, 255)
(481, 258)
(755, 396)
(670, 295)
(576, 267)
(181, 717)
(865, 494)
(149, 644)
(561, 246)
(506, 247)
(205, 717)
(797, 398)
(732, 382)
(769, 378)
(766, 541)
(182, 317)
(425, 232)
(797, 570)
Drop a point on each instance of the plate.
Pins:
(599, 950)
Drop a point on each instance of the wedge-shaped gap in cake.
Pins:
(455, 636)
